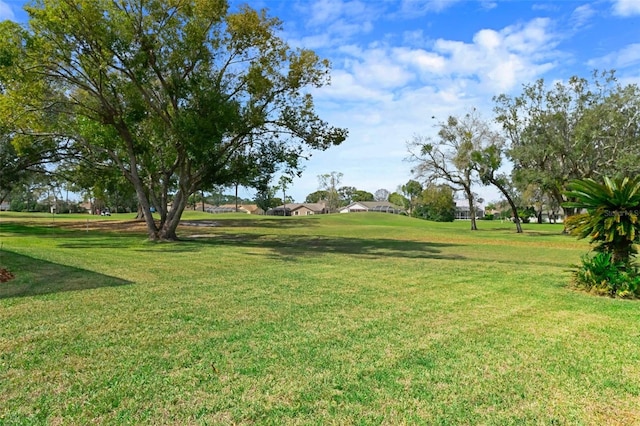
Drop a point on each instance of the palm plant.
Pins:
(612, 220)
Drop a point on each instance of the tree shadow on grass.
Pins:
(229, 233)
(291, 247)
(38, 277)
(76, 236)
(272, 222)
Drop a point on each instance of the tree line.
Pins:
(581, 128)
(158, 102)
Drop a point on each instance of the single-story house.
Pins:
(4, 206)
(372, 206)
(231, 208)
(298, 209)
(463, 212)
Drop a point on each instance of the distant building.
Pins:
(463, 212)
(298, 209)
(231, 208)
(5, 206)
(372, 206)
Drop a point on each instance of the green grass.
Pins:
(339, 319)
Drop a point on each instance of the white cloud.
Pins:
(626, 7)
(337, 21)
(623, 58)
(582, 15)
(422, 60)
(501, 59)
(421, 7)
(385, 93)
(6, 12)
(346, 88)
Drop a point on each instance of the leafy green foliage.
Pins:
(398, 200)
(581, 128)
(436, 203)
(412, 190)
(317, 196)
(176, 96)
(600, 274)
(448, 158)
(612, 218)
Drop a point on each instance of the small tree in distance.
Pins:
(447, 158)
(381, 195)
(399, 200)
(436, 203)
(329, 182)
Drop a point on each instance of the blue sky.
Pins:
(398, 63)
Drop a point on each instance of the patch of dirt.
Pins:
(5, 275)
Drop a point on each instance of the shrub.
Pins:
(612, 220)
(601, 275)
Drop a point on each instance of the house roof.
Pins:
(315, 207)
(242, 207)
(373, 205)
(464, 203)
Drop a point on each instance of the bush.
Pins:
(601, 275)
(435, 214)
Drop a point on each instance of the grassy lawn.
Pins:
(340, 319)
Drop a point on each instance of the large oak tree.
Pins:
(178, 95)
(573, 129)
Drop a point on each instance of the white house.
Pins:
(372, 206)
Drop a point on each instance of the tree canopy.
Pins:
(177, 96)
(448, 158)
(572, 130)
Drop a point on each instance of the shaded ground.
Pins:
(5, 275)
(38, 277)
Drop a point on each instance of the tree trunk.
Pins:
(168, 228)
(236, 197)
(472, 208)
(514, 209)
(516, 218)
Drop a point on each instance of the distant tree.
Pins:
(360, 195)
(265, 198)
(317, 196)
(346, 194)
(399, 200)
(265, 192)
(447, 158)
(329, 182)
(436, 203)
(533, 195)
(283, 184)
(487, 162)
(381, 194)
(412, 190)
